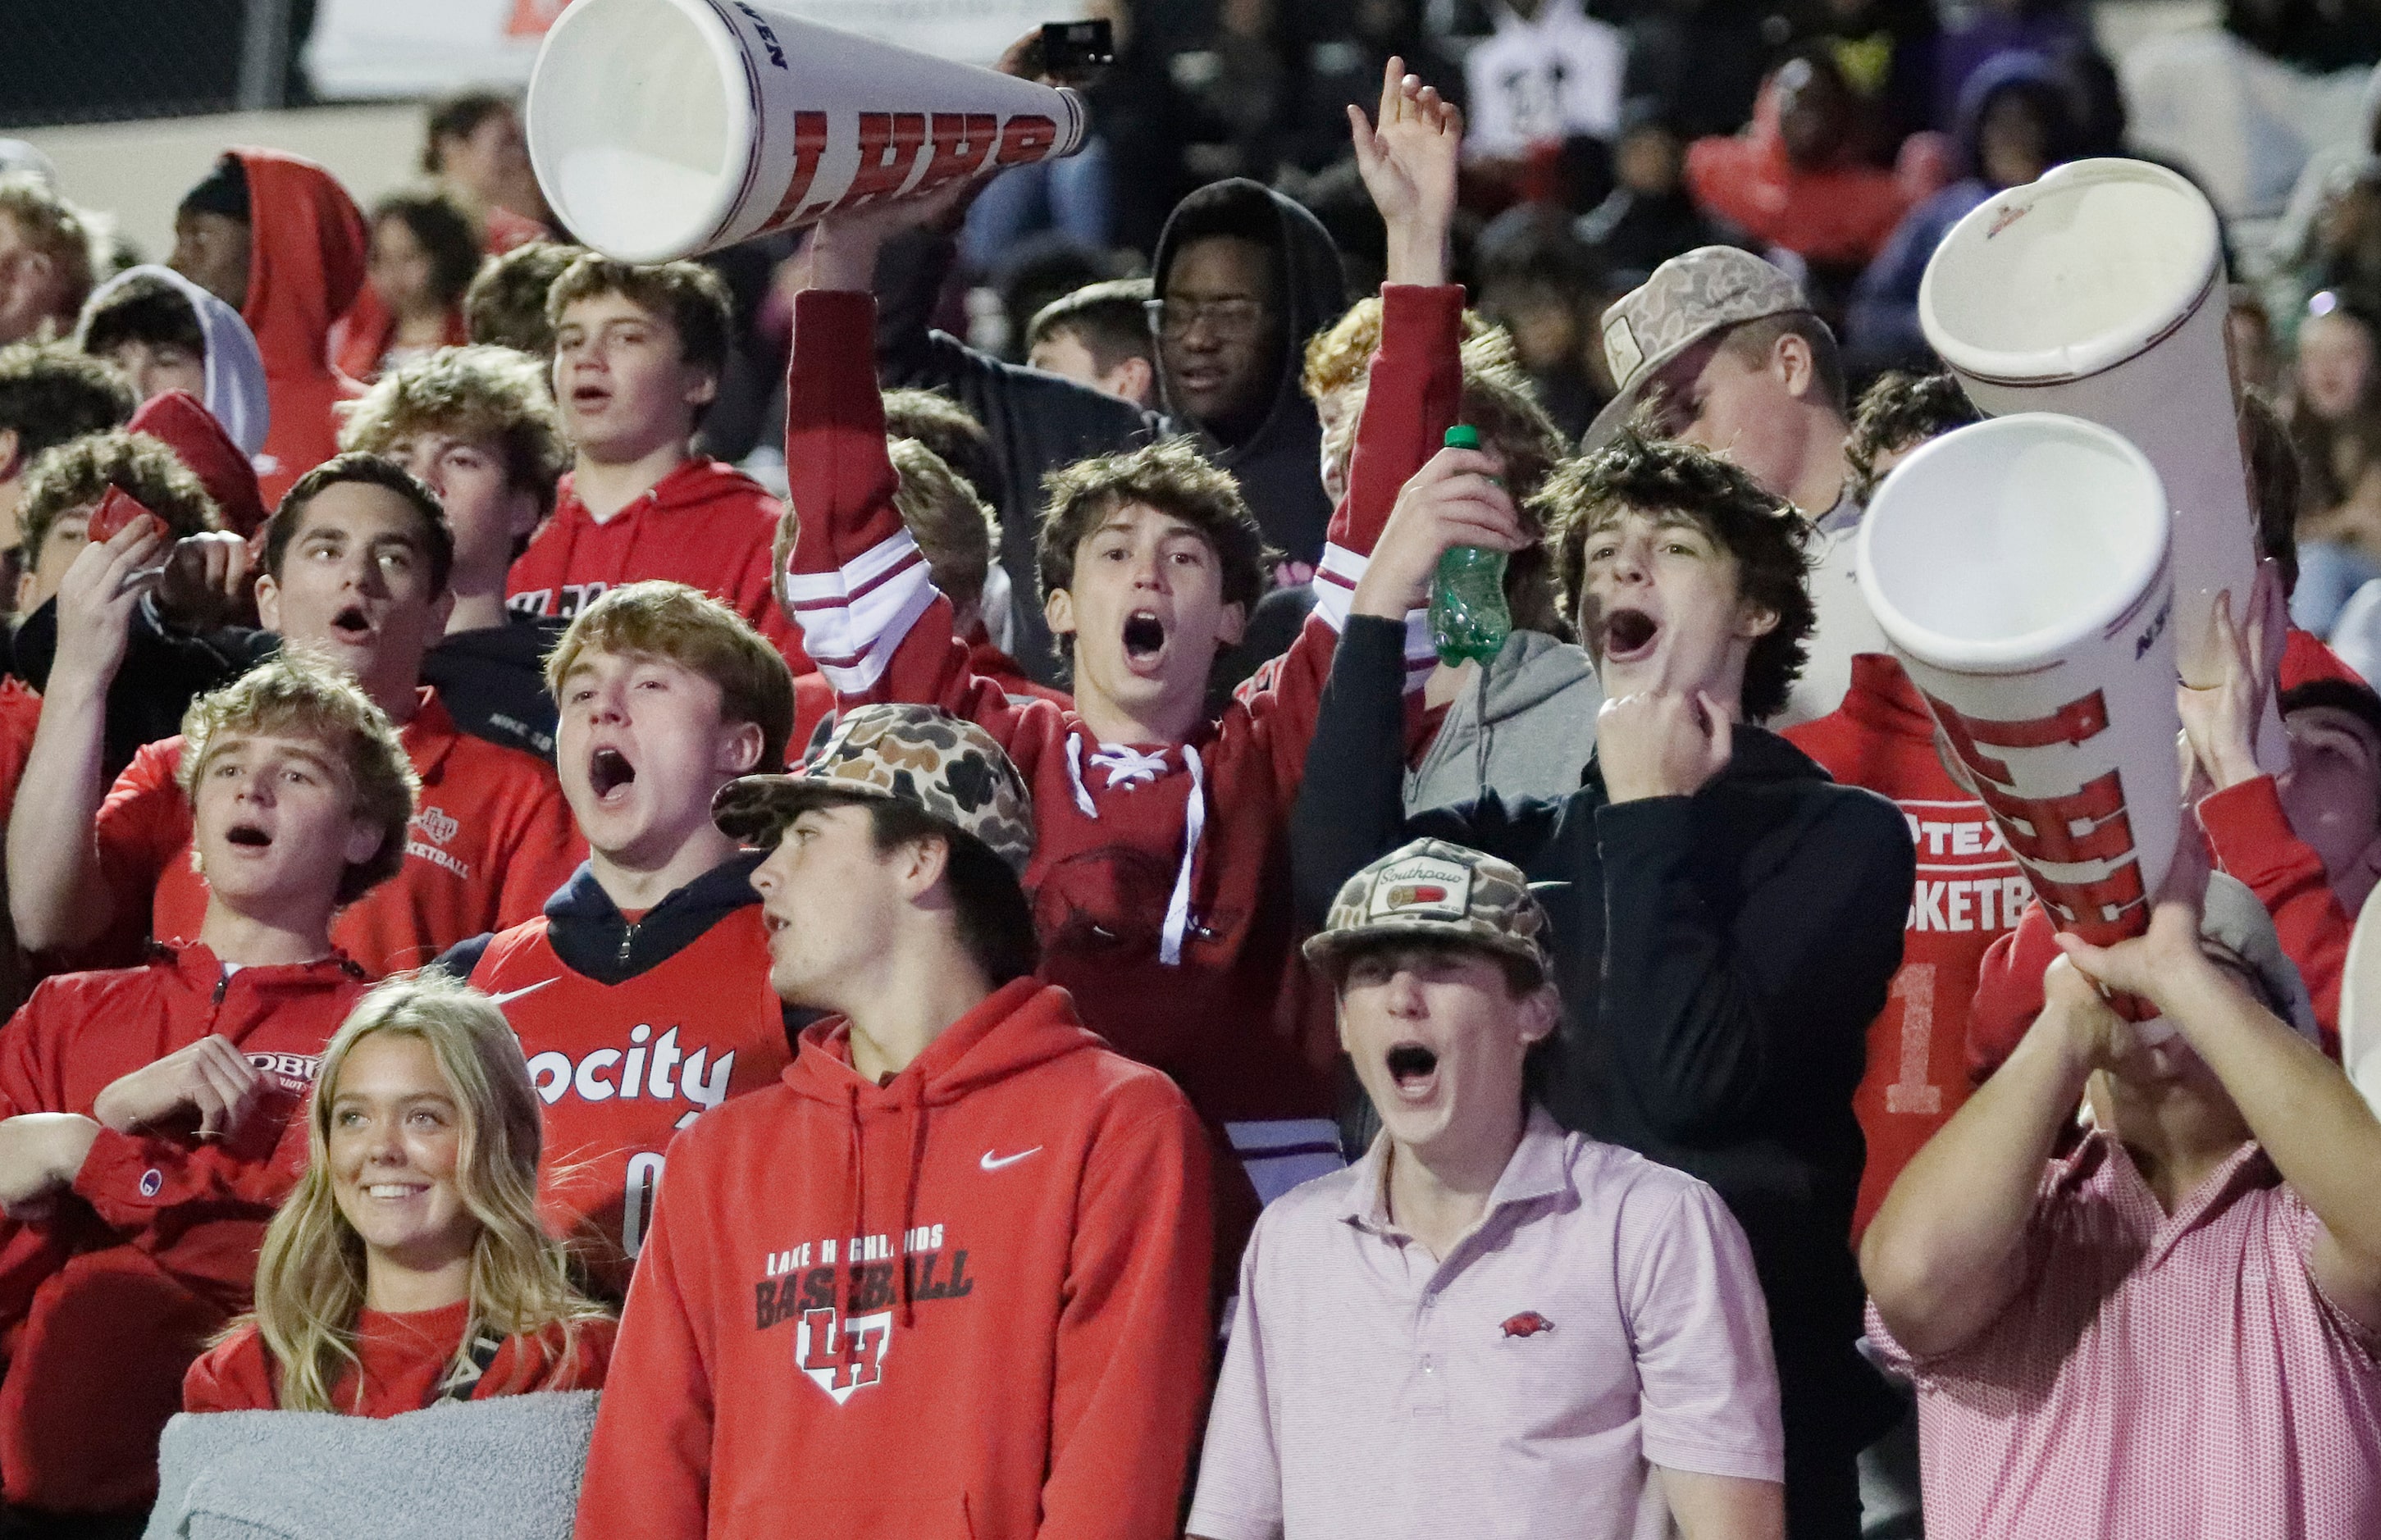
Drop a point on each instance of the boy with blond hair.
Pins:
(638, 356)
(151, 1112)
(641, 993)
(476, 425)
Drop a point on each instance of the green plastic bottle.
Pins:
(1468, 617)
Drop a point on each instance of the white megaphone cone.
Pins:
(663, 128)
(2019, 568)
(2097, 292)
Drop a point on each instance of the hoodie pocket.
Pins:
(872, 1517)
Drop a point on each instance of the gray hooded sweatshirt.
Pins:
(235, 369)
(1523, 726)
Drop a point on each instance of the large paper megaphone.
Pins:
(2097, 292)
(663, 128)
(2019, 568)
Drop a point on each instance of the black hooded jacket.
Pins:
(1279, 465)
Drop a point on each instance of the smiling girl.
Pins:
(408, 1267)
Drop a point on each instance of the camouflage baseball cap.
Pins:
(1688, 299)
(1440, 892)
(948, 768)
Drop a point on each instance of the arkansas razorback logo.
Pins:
(1528, 1322)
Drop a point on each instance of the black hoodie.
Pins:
(1279, 465)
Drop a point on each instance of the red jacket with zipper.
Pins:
(707, 525)
(105, 1304)
(1161, 876)
(1018, 1349)
(307, 246)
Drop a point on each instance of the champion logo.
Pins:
(152, 1181)
(1528, 1322)
(993, 1163)
(438, 823)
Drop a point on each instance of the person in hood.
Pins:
(1724, 919)
(48, 395)
(1637, 1388)
(655, 949)
(153, 1119)
(168, 334)
(2016, 121)
(952, 1272)
(637, 361)
(277, 239)
(355, 568)
(478, 427)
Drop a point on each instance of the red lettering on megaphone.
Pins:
(2098, 910)
(1028, 137)
(962, 142)
(2107, 834)
(2071, 722)
(810, 144)
(889, 143)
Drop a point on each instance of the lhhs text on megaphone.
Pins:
(2020, 569)
(2098, 292)
(664, 128)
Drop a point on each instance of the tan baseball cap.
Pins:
(1433, 890)
(944, 765)
(1687, 299)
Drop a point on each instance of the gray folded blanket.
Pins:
(503, 1469)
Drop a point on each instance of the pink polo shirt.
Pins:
(2157, 1375)
(1603, 1317)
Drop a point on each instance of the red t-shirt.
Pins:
(490, 841)
(405, 1358)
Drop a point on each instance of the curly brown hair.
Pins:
(1768, 539)
(1897, 413)
(77, 474)
(482, 394)
(1170, 476)
(505, 304)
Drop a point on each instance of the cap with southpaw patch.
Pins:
(1437, 891)
(1688, 299)
(948, 768)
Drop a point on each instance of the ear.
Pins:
(25, 591)
(923, 861)
(1794, 366)
(520, 515)
(363, 840)
(1060, 611)
(1133, 379)
(268, 602)
(1541, 1012)
(1232, 624)
(441, 609)
(705, 389)
(1754, 621)
(12, 463)
(738, 749)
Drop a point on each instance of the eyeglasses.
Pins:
(1227, 318)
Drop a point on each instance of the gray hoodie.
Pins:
(1532, 739)
(235, 369)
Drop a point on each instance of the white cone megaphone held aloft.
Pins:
(664, 128)
(2098, 292)
(2019, 568)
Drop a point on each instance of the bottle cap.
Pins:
(1464, 436)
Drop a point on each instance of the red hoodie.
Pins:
(184, 424)
(1161, 876)
(306, 262)
(365, 334)
(1018, 1349)
(704, 524)
(1969, 891)
(814, 694)
(104, 1305)
(1839, 215)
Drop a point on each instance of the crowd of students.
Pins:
(1011, 991)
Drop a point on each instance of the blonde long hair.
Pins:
(310, 1278)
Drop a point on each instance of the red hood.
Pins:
(201, 444)
(1883, 699)
(698, 482)
(306, 257)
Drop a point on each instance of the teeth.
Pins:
(390, 1189)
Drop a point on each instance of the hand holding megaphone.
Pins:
(2220, 719)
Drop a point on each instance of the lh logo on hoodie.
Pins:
(842, 1355)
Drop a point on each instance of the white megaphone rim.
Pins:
(2160, 313)
(2028, 649)
(740, 95)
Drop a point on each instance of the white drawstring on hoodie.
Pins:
(1128, 767)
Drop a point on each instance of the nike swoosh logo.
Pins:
(991, 1163)
(511, 995)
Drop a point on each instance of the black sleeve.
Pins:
(1724, 987)
(456, 962)
(163, 672)
(1351, 803)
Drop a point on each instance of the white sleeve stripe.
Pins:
(841, 598)
(856, 576)
(913, 595)
(855, 618)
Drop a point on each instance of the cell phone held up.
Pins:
(1072, 52)
(115, 511)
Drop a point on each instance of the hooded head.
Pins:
(232, 371)
(305, 250)
(2015, 119)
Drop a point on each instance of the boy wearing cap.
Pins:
(1486, 1324)
(1726, 351)
(1727, 919)
(949, 1276)
(2169, 1323)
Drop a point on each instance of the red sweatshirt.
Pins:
(1969, 891)
(970, 1302)
(104, 1305)
(490, 842)
(406, 1358)
(622, 1067)
(1160, 880)
(2248, 835)
(369, 329)
(307, 248)
(704, 524)
(1835, 214)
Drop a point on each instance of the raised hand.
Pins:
(205, 580)
(2220, 721)
(96, 598)
(1408, 162)
(1455, 499)
(1662, 745)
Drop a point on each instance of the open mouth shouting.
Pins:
(609, 774)
(352, 626)
(1413, 1070)
(1630, 635)
(589, 396)
(248, 837)
(1145, 640)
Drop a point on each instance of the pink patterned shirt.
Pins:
(2165, 1377)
